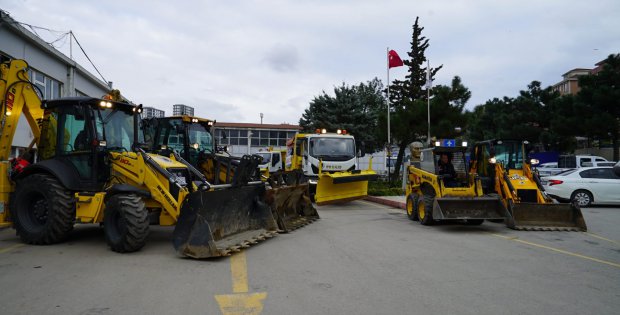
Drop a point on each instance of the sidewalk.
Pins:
(390, 201)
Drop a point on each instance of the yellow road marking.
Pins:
(558, 250)
(240, 302)
(239, 273)
(10, 248)
(602, 238)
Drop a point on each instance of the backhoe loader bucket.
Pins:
(218, 222)
(291, 206)
(468, 208)
(342, 186)
(546, 217)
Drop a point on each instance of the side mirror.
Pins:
(362, 149)
(224, 136)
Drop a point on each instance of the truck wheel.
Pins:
(125, 223)
(42, 209)
(425, 210)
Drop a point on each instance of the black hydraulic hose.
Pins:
(192, 169)
(507, 179)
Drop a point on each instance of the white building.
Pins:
(55, 74)
(152, 112)
(180, 109)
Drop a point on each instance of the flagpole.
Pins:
(428, 98)
(387, 149)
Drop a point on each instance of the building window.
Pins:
(49, 87)
(261, 138)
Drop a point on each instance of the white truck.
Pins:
(569, 162)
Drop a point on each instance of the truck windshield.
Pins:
(117, 128)
(509, 154)
(266, 157)
(332, 149)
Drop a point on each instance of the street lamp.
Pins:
(261, 118)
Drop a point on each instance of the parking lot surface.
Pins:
(360, 258)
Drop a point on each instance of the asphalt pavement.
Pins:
(360, 258)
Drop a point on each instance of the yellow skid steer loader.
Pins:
(440, 188)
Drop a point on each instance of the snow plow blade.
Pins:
(219, 222)
(547, 217)
(457, 208)
(342, 186)
(291, 206)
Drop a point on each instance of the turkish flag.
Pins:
(394, 60)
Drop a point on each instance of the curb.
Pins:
(387, 202)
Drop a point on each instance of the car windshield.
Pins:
(509, 154)
(117, 128)
(332, 148)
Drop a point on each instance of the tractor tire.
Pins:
(411, 207)
(43, 211)
(125, 223)
(425, 210)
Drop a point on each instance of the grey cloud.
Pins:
(282, 58)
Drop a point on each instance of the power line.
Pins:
(85, 54)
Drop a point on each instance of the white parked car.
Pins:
(585, 186)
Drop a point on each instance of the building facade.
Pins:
(55, 74)
(570, 81)
(244, 138)
(152, 112)
(180, 109)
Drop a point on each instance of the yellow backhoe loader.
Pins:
(328, 162)
(444, 190)
(505, 170)
(91, 169)
(191, 139)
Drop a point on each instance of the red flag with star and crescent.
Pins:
(394, 60)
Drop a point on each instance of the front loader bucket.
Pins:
(546, 217)
(291, 206)
(218, 222)
(468, 208)
(342, 187)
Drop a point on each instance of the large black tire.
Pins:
(425, 209)
(125, 223)
(411, 208)
(582, 198)
(43, 211)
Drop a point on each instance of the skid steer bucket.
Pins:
(218, 222)
(546, 217)
(342, 186)
(291, 206)
(457, 208)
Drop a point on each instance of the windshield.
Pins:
(335, 149)
(117, 128)
(200, 138)
(509, 154)
(266, 157)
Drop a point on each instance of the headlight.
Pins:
(492, 160)
(534, 161)
(464, 143)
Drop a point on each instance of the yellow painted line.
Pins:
(240, 302)
(602, 238)
(10, 248)
(558, 250)
(239, 273)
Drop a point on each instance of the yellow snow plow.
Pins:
(328, 162)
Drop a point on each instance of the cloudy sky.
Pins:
(232, 60)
